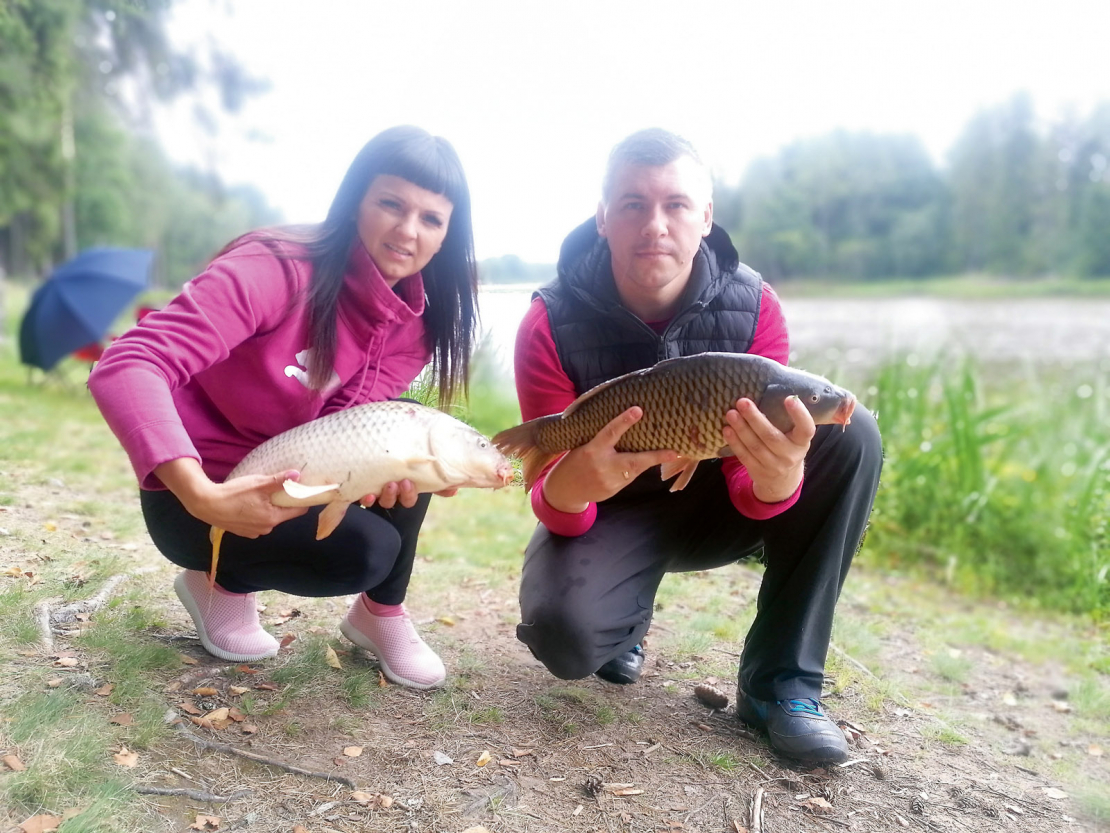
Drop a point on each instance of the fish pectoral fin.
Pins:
(303, 492)
(330, 518)
(684, 466)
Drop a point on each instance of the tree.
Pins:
(845, 205)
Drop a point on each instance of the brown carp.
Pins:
(346, 455)
(684, 401)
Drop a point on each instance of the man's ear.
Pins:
(708, 219)
(600, 217)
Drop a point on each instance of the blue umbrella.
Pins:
(79, 302)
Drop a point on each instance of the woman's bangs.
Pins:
(433, 169)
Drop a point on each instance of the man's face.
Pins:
(654, 219)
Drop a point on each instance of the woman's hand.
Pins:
(596, 471)
(241, 506)
(774, 460)
(403, 492)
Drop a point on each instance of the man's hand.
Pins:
(596, 471)
(774, 460)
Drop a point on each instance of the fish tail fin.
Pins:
(522, 441)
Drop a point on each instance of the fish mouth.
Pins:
(844, 411)
(506, 473)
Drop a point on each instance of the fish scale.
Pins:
(684, 402)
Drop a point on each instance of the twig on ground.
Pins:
(851, 660)
(262, 759)
(42, 619)
(70, 612)
(196, 795)
(756, 825)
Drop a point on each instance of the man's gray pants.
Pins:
(589, 599)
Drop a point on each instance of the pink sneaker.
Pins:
(404, 656)
(227, 623)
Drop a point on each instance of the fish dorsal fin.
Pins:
(658, 367)
(604, 386)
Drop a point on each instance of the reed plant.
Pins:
(996, 479)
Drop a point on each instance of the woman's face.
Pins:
(401, 225)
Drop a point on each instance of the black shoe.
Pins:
(625, 669)
(798, 729)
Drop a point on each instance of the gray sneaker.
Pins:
(798, 729)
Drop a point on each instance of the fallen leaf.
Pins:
(446, 620)
(509, 763)
(13, 763)
(124, 719)
(54, 682)
(246, 669)
(363, 798)
(266, 687)
(331, 659)
(352, 751)
(205, 823)
(188, 660)
(248, 728)
(738, 827)
(50, 526)
(104, 690)
(203, 722)
(205, 691)
(339, 761)
(237, 689)
(67, 662)
(41, 824)
(382, 681)
(236, 715)
(298, 829)
(218, 714)
(442, 758)
(72, 813)
(484, 758)
(289, 637)
(1052, 792)
(818, 805)
(520, 753)
(126, 757)
(478, 829)
(627, 791)
(1094, 750)
(386, 801)
(188, 708)
(1061, 706)
(13, 572)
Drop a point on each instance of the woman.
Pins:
(284, 326)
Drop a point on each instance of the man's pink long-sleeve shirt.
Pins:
(543, 388)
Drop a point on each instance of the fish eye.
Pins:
(483, 444)
(815, 398)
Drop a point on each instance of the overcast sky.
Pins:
(533, 95)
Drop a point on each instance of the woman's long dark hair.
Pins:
(450, 278)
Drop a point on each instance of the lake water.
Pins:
(1053, 331)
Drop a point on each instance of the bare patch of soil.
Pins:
(506, 747)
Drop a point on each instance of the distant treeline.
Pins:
(1017, 198)
(77, 165)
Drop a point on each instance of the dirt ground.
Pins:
(506, 747)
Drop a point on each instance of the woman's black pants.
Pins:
(372, 550)
(587, 600)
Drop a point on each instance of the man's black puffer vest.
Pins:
(598, 339)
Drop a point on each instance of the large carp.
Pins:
(684, 401)
(346, 455)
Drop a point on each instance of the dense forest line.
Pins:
(1015, 197)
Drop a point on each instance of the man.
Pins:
(649, 278)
